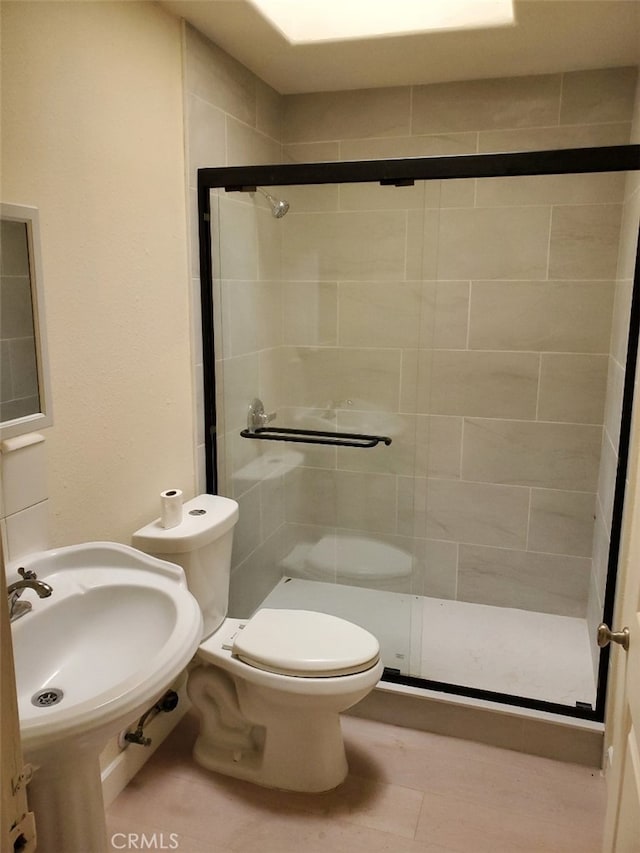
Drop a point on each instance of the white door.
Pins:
(622, 823)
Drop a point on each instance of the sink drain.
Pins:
(46, 698)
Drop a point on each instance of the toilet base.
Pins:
(305, 756)
(249, 732)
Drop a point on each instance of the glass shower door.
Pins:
(522, 379)
(321, 315)
(477, 325)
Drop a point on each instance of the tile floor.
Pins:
(407, 792)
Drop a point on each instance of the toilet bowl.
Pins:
(268, 690)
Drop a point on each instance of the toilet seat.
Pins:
(305, 643)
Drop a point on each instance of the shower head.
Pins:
(278, 206)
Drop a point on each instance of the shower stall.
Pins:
(418, 380)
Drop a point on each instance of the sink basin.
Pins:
(117, 629)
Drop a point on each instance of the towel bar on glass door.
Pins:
(313, 436)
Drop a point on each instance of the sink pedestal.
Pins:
(65, 795)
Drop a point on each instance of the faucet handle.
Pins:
(27, 575)
(257, 417)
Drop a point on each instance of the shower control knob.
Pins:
(606, 636)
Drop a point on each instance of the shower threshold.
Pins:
(502, 650)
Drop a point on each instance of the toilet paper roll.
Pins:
(170, 508)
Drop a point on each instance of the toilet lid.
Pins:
(305, 643)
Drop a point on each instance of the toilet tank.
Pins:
(201, 544)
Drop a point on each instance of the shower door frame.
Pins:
(404, 172)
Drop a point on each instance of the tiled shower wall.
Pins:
(504, 378)
(506, 513)
(475, 334)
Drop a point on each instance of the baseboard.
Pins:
(532, 732)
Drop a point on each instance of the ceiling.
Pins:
(549, 36)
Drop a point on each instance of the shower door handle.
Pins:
(606, 636)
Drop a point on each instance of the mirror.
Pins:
(25, 395)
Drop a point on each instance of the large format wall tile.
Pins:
(433, 145)
(494, 243)
(399, 457)
(549, 138)
(332, 246)
(600, 95)
(269, 110)
(207, 141)
(238, 246)
(329, 376)
(423, 194)
(436, 570)
(346, 115)
(311, 497)
(614, 401)
(554, 456)
(420, 444)
(248, 528)
(607, 479)
(248, 146)
(375, 196)
(522, 579)
(561, 522)
(379, 314)
(486, 104)
(484, 384)
(218, 78)
(620, 320)
(556, 316)
(484, 514)
(377, 513)
(598, 188)
(251, 316)
(237, 385)
(311, 152)
(584, 241)
(572, 388)
(444, 315)
(332, 498)
(310, 313)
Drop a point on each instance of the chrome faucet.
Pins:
(14, 591)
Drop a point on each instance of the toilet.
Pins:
(269, 690)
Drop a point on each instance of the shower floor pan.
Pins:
(500, 649)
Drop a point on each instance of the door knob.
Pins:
(606, 636)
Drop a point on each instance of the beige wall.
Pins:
(92, 136)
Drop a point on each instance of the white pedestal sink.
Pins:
(117, 629)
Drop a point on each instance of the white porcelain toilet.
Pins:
(269, 690)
